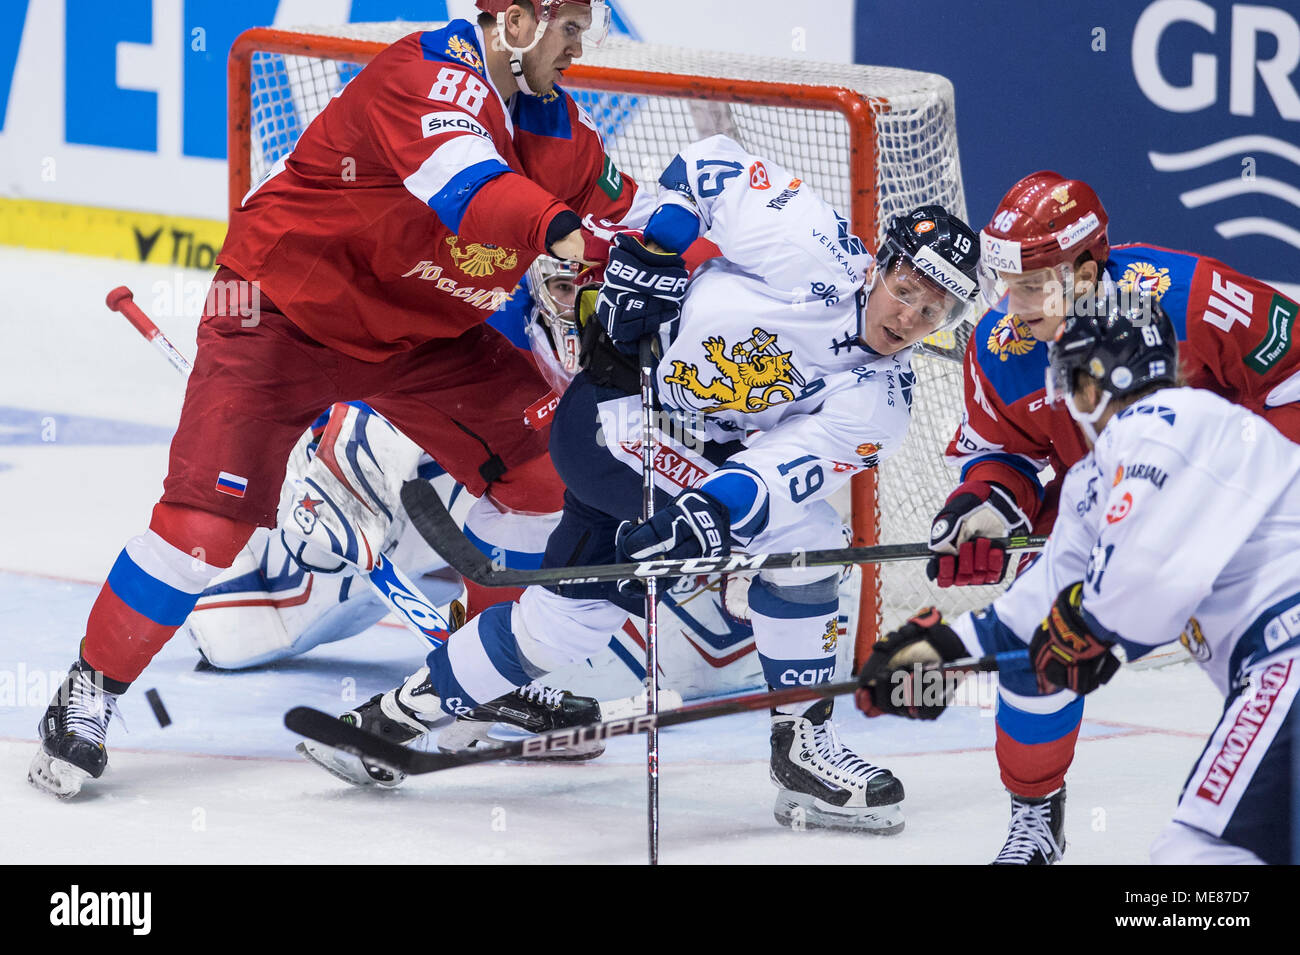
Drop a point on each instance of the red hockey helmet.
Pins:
(1044, 221)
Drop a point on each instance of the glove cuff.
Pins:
(633, 245)
(564, 222)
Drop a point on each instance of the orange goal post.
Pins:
(875, 141)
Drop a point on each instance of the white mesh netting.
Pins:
(916, 161)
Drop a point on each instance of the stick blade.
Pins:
(332, 731)
(430, 517)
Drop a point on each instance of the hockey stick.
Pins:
(429, 516)
(387, 581)
(647, 362)
(344, 736)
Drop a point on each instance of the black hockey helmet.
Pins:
(942, 248)
(1125, 342)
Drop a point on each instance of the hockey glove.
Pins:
(894, 681)
(1064, 651)
(695, 525)
(642, 291)
(974, 512)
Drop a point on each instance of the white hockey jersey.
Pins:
(1184, 524)
(767, 350)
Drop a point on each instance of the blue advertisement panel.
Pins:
(1184, 115)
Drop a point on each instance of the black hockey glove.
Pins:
(642, 291)
(1064, 651)
(894, 679)
(695, 524)
(974, 512)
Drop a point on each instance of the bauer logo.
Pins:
(127, 909)
(435, 124)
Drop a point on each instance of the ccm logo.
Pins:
(646, 279)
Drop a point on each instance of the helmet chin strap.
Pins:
(1087, 420)
(517, 53)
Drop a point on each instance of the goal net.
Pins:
(874, 141)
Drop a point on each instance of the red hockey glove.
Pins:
(959, 536)
(893, 681)
(1065, 653)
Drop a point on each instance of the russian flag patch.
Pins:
(231, 484)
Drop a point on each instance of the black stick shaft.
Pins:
(651, 599)
(429, 516)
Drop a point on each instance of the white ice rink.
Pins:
(86, 412)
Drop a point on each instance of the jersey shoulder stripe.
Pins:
(1165, 273)
(1013, 361)
(457, 44)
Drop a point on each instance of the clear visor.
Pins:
(1038, 292)
(1059, 386)
(923, 304)
(1056, 383)
(569, 18)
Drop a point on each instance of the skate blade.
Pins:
(801, 811)
(345, 766)
(56, 776)
(466, 735)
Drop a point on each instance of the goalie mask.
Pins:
(552, 327)
(1125, 343)
(547, 13)
(928, 265)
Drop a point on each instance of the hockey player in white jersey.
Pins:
(785, 370)
(1183, 520)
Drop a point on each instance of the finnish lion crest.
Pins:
(755, 376)
(479, 259)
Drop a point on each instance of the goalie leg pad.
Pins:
(343, 504)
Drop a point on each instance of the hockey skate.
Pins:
(533, 708)
(1036, 835)
(824, 784)
(72, 732)
(402, 715)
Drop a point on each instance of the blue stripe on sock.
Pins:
(1031, 728)
(763, 599)
(500, 644)
(147, 595)
(515, 559)
(444, 681)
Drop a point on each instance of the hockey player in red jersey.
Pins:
(1045, 249)
(371, 257)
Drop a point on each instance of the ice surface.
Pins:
(86, 410)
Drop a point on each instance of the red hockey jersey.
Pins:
(1235, 335)
(413, 204)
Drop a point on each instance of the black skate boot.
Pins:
(73, 730)
(824, 784)
(533, 708)
(1037, 832)
(402, 715)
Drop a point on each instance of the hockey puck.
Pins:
(159, 711)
